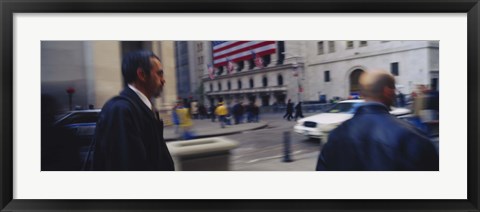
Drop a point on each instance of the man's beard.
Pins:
(157, 93)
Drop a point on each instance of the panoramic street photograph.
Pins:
(306, 105)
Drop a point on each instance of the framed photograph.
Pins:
(41, 36)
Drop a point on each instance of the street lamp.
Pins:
(70, 91)
(296, 74)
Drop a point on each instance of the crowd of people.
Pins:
(236, 113)
(290, 109)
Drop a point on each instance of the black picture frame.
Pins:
(10, 7)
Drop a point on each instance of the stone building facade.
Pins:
(312, 70)
(93, 69)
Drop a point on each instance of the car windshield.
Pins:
(80, 118)
(344, 107)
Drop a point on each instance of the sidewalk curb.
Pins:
(220, 134)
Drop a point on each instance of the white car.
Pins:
(319, 125)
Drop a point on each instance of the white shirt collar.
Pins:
(142, 96)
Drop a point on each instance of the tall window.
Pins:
(326, 76)
(240, 65)
(363, 43)
(349, 44)
(219, 86)
(199, 47)
(251, 64)
(320, 48)
(229, 85)
(331, 46)
(239, 84)
(220, 71)
(394, 68)
(200, 60)
(211, 87)
(266, 59)
(280, 55)
(280, 80)
(251, 83)
(265, 81)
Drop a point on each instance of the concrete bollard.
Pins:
(206, 154)
(286, 147)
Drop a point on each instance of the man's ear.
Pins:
(140, 74)
(387, 91)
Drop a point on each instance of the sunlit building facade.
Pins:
(93, 70)
(334, 66)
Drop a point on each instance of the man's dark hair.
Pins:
(137, 59)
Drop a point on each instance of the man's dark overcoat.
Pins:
(129, 137)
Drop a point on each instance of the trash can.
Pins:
(206, 154)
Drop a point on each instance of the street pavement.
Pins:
(206, 128)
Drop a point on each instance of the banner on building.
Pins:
(257, 59)
(237, 51)
(229, 66)
(211, 71)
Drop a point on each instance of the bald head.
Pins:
(378, 86)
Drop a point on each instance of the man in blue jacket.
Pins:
(129, 134)
(375, 140)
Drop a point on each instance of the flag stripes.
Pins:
(240, 50)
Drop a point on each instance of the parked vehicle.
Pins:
(82, 123)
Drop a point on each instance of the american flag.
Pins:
(257, 59)
(211, 71)
(229, 66)
(237, 51)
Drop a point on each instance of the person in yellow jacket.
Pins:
(221, 111)
(184, 121)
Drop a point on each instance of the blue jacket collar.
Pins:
(372, 107)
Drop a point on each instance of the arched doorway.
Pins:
(354, 82)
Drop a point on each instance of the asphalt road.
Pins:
(268, 143)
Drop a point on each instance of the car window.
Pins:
(79, 118)
(346, 107)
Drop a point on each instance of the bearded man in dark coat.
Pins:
(129, 134)
(375, 140)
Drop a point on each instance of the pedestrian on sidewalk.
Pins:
(221, 111)
(185, 122)
(194, 109)
(255, 113)
(238, 111)
(298, 111)
(129, 135)
(175, 119)
(202, 111)
(374, 139)
(288, 115)
(249, 112)
(212, 112)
